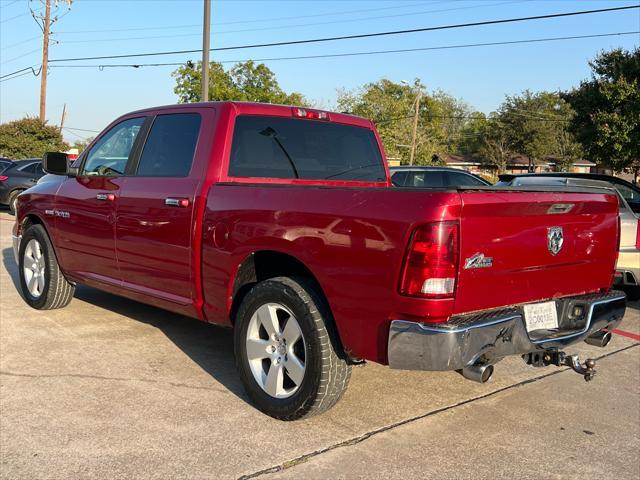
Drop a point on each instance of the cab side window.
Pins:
(109, 156)
(170, 146)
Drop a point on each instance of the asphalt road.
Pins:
(111, 388)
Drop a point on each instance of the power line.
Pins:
(13, 18)
(364, 35)
(35, 74)
(69, 130)
(378, 52)
(262, 20)
(463, 117)
(19, 43)
(82, 129)
(15, 76)
(18, 57)
(182, 35)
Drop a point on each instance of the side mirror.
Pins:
(56, 163)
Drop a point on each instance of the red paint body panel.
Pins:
(511, 227)
(85, 240)
(353, 241)
(351, 235)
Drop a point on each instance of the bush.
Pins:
(29, 138)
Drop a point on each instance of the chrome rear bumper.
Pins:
(486, 337)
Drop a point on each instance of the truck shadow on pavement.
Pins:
(209, 346)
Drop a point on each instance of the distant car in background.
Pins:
(628, 267)
(5, 163)
(16, 178)
(434, 177)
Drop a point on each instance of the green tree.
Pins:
(81, 145)
(29, 138)
(246, 81)
(607, 106)
(472, 134)
(536, 126)
(495, 148)
(391, 106)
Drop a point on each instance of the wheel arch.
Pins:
(35, 219)
(265, 264)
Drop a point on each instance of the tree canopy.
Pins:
(245, 81)
(535, 125)
(29, 138)
(607, 106)
(392, 108)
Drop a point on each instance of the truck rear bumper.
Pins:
(486, 337)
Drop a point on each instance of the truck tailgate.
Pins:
(508, 241)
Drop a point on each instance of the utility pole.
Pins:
(45, 60)
(64, 113)
(45, 21)
(206, 28)
(415, 125)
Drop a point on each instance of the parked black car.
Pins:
(5, 163)
(16, 178)
(424, 177)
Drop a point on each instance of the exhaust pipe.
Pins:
(599, 339)
(478, 373)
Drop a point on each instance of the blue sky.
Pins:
(481, 76)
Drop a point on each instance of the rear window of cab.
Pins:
(280, 147)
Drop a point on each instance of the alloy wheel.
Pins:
(34, 268)
(276, 350)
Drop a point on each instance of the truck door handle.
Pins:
(176, 202)
(106, 197)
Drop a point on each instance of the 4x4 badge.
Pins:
(555, 239)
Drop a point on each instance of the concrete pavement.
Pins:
(111, 388)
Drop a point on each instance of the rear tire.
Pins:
(13, 199)
(43, 285)
(284, 353)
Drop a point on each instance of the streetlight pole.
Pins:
(206, 32)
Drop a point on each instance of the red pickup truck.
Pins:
(282, 223)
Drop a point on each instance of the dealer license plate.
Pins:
(541, 316)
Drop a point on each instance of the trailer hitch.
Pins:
(559, 359)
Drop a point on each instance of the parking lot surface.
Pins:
(111, 388)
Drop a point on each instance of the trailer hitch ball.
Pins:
(560, 359)
(588, 370)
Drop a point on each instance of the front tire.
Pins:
(43, 285)
(284, 353)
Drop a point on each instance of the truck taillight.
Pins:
(306, 113)
(3, 178)
(431, 262)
